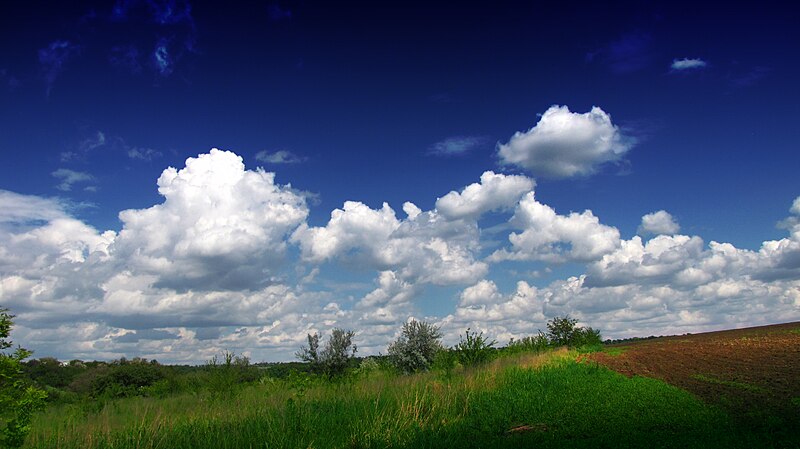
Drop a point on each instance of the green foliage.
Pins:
(532, 343)
(560, 330)
(474, 349)
(50, 372)
(334, 359)
(19, 399)
(445, 362)
(564, 332)
(368, 366)
(223, 375)
(416, 348)
(562, 404)
(127, 378)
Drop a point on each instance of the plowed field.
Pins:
(753, 372)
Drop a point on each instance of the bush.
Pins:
(416, 348)
(474, 349)
(534, 343)
(564, 332)
(127, 378)
(586, 336)
(333, 360)
(223, 375)
(445, 362)
(18, 398)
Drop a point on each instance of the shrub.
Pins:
(533, 343)
(474, 349)
(416, 348)
(445, 362)
(127, 378)
(368, 366)
(18, 398)
(223, 375)
(334, 358)
(586, 336)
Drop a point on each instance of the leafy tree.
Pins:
(560, 330)
(564, 332)
(416, 348)
(474, 349)
(334, 358)
(586, 336)
(18, 398)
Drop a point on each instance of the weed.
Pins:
(728, 383)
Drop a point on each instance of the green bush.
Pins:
(416, 348)
(445, 362)
(334, 358)
(532, 343)
(127, 378)
(223, 375)
(19, 399)
(474, 349)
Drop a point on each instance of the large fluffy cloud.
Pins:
(220, 226)
(425, 247)
(564, 144)
(548, 236)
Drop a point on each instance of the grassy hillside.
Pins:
(524, 400)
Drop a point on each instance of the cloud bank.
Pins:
(229, 260)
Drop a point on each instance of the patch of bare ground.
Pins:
(752, 372)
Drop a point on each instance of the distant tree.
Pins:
(334, 358)
(18, 398)
(416, 348)
(560, 330)
(565, 332)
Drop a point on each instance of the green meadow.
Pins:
(542, 400)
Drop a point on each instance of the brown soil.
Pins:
(752, 372)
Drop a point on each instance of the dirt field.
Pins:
(753, 372)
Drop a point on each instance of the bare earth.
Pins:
(751, 372)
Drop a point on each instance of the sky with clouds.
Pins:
(182, 178)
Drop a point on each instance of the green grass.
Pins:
(615, 351)
(547, 401)
(728, 383)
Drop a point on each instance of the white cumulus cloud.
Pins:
(220, 226)
(565, 144)
(660, 222)
(548, 236)
(495, 191)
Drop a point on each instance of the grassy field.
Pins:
(525, 400)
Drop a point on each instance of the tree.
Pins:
(560, 330)
(564, 332)
(18, 398)
(416, 348)
(334, 357)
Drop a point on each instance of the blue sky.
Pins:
(606, 113)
